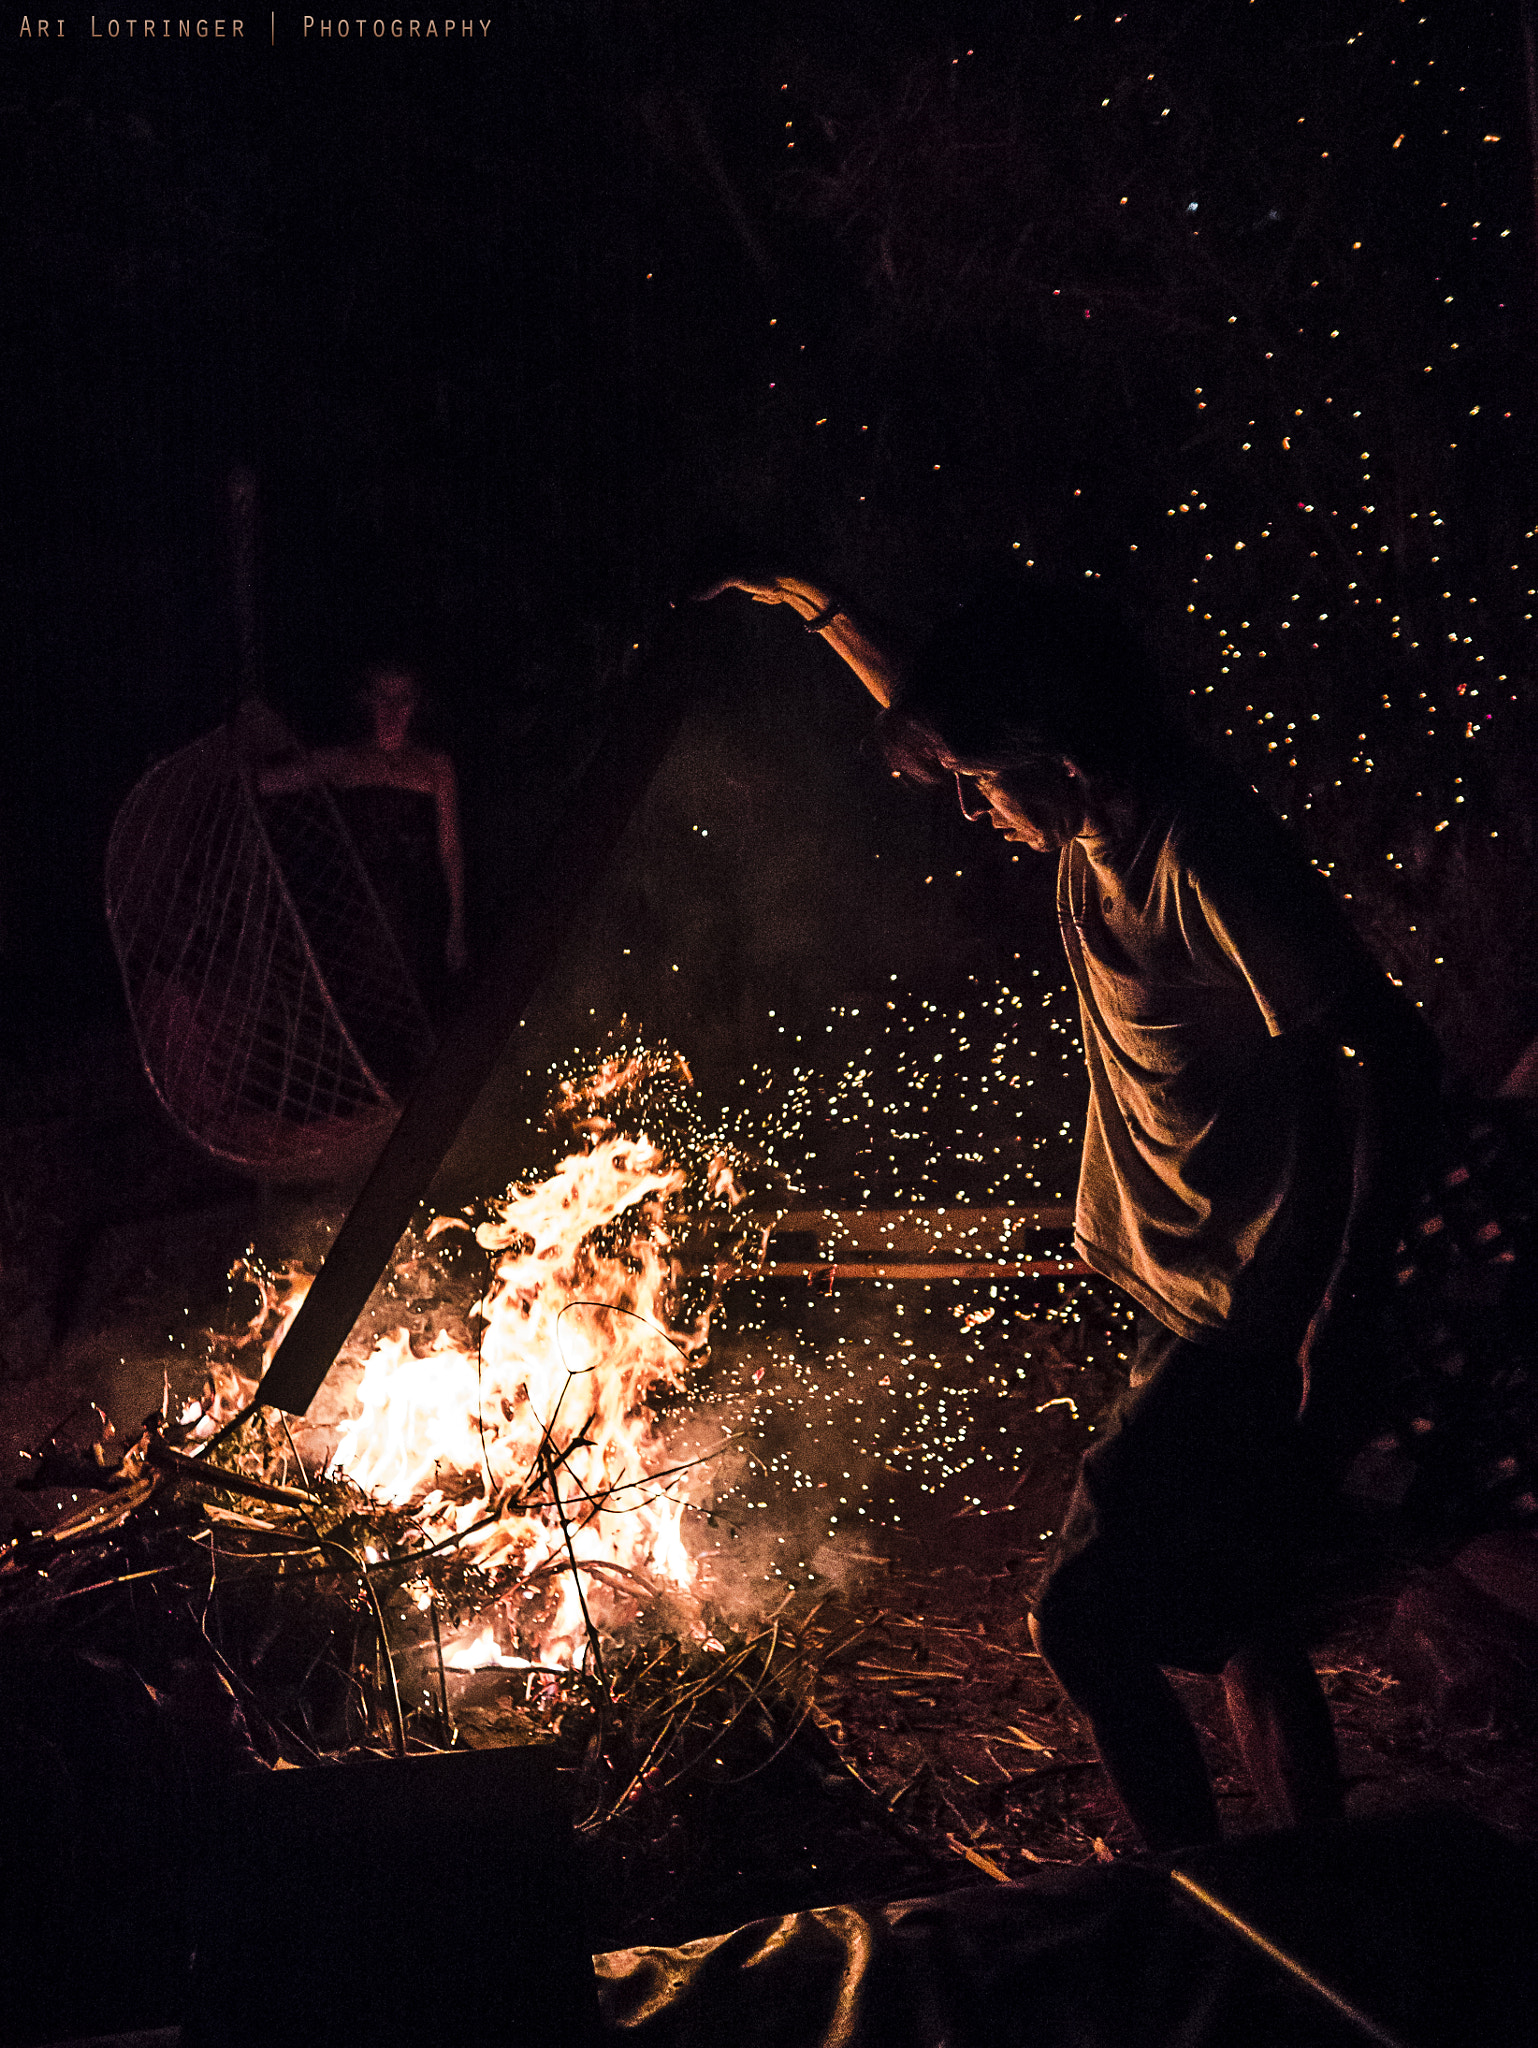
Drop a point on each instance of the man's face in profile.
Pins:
(1039, 806)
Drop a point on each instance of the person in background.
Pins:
(400, 802)
(1259, 1101)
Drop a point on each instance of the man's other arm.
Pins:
(1389, 1069)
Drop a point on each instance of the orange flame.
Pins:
(543, 1450)
(233, 1371)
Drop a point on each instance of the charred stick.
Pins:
(595, 1648)
(198, 1469)
(397, 1714)
(443, 1680)
(1247, 1931)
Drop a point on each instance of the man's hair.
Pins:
(1020, 671)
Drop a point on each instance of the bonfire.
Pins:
(504, 1482)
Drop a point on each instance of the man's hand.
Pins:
(762, 588)
(872, 658)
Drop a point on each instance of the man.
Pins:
(1257, 1094)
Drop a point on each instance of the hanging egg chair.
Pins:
(274, 1011)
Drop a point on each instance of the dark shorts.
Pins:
(1185, 1532)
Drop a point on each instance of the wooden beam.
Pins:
(927, 1269)
(953, 1243)
(957, 1229)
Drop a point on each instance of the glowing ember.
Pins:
(482, 1653)
(542, 1453)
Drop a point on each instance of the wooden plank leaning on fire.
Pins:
(652, 698)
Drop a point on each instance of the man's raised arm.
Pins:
(871, 655)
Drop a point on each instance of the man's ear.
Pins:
(1072, 770)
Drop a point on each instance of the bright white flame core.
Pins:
(549, 1436)
(483, 1653)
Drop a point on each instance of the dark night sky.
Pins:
(518, 332)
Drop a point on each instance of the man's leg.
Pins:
(1173, 1548)
(1091, 1613)
(1281, 1722)
(1147, 1744)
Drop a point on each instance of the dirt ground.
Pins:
(937, 1699)
(910, 1448)
(938, 1750)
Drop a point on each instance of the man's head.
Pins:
(1037, 698)
(1042, 806)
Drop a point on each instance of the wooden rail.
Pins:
(959, 1243)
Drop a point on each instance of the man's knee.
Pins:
(1072, 1626)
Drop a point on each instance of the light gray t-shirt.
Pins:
(1216, 1168)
